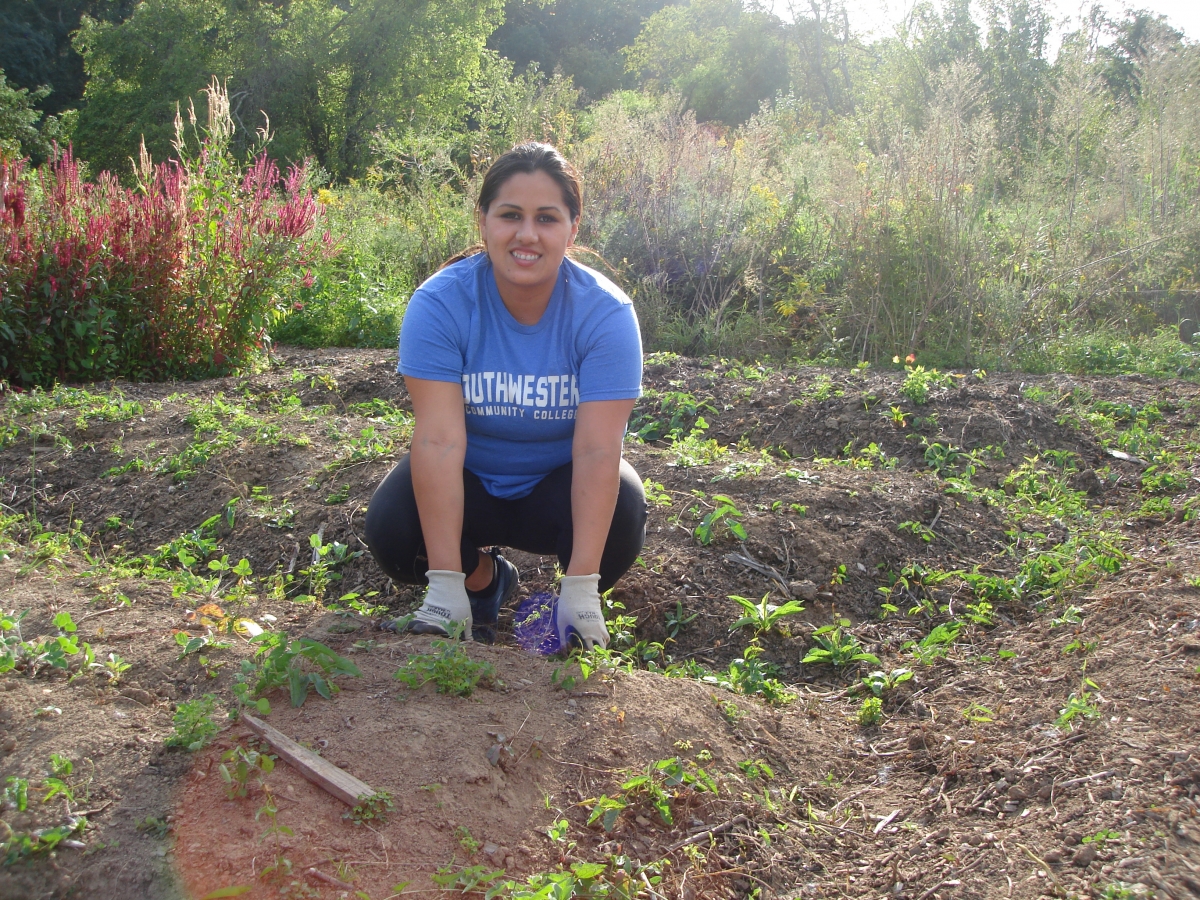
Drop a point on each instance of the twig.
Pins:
(708, 833)
(946, 882)
(745, 559)
(1074, 781)
(329, 879)
(103, 612)
(1045, 866)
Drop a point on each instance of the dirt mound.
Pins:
(1045, 741)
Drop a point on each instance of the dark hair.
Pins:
(525, 159)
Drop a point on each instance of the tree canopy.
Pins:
(327, 74)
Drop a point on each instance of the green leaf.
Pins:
(587, 870)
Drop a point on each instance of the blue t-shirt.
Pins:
(522, 384)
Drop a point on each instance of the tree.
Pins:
(327, 73)
(22, 129)
(35, 46)
(1016, 70)
(582, 39)
(723, 59)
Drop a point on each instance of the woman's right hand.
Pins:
(446, 604)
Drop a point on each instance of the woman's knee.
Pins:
(392, 529)
(631, 511)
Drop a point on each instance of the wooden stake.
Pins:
(320, 772)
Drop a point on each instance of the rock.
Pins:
(805, 590)
(1084, 856)
(1054, 857)
(1087, 481)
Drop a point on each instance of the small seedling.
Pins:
(449, 667)
(278, 662)
(870, 712)
(725, 512)
(16, 793)
(239, 764)
(194, 727)
(763, 616)
(881, 683)
(837, 647)
(1078, 706)
(281, 865)
(677, 618)
(371, 808)
(978, 713)
(466, 840)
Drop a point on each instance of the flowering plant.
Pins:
(179, 276)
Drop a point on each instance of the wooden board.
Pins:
(320, 772)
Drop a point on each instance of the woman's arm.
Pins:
(595, 479)
(439, 446)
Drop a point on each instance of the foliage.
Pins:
(837, 647)
(328, 75)
(279, 662)
(193, 724)
(763, 616)
(22, 131)
(726, 513)
(238, 764)
(722, 58)
(449, 667)
(180, 277)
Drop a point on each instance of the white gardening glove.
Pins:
(445, 602)
(580, 621)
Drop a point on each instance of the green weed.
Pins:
(449, 667)
(194, 727)
(763, 616)
(724, 513)
(279, 663)
(837, 647)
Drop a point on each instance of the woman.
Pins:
(523, 367)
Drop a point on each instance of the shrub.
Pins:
(180, 276)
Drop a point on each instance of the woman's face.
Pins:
(527, 230)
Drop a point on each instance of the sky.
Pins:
(878, 17)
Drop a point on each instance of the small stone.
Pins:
(805, 590)
(490, 849)
(643, 821)
(1054, 857)
(1084, 856)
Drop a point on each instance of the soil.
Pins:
(973, 784)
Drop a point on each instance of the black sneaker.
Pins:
(485, 605)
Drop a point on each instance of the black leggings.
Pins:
(539, 522)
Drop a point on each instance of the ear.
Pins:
(574, 231)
